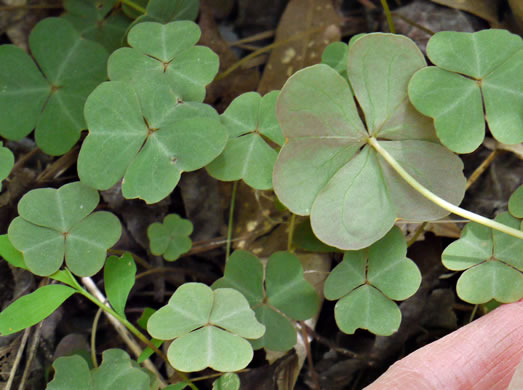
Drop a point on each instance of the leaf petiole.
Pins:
(437, 200)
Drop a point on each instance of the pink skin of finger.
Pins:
(480, 356)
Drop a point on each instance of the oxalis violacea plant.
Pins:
(364, 139)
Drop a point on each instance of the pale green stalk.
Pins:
(441, 202)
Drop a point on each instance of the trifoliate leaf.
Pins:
(367, 281)
(57, 223)
(209, 328)
(166, 51)
(116, 372)
(472, 70)
(50, 94)
(329, 170)
(149, 139)
(492, 261)
(251, 123)
(286, 292)
(170, 239)
(7, 161)
(98, 21)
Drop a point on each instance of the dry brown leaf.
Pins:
(241, 80)
(307, 26)
(485, 9)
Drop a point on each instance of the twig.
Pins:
(18, 357)
(120, 329)
(305, 337)
(32, 353)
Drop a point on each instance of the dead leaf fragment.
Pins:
(305, 29)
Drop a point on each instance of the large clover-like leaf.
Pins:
(148, 137)
(493, 262)
(50, 94)
(167, 51)
(327, 168)
(288, 294)
(117, 372)
(209, 328)
(57, 223)
(251, 121)
(170, 239)
(473, 69)
(7, 161)
(367, 281)
(98, 21)
(515, 203)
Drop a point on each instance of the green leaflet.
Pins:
(50, 100)
(32, 308)
(119, 278)
(472, 70)
(7, 161)
(327, 170)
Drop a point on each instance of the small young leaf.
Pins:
(53, 101)
(251, 121)
(367, 281)
(492, 262)
(57, 223)
(119, 278)
(32, 308)
(228, 381)
(170, 239)
(472, 70)
(209, 328)
(7, 161)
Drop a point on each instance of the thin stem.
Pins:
(437, 200)
(93, 337)
(482, 167)
(305, 338)
(388, 15)
(231, 221)
(265, 49)
(473, 314)
(290, 237)
(471, 180)
(133, 5)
